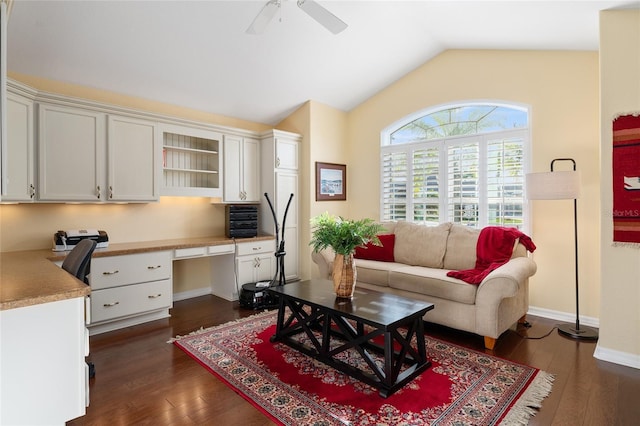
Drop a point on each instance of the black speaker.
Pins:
(241, 221)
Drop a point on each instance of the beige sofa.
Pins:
(422, 256)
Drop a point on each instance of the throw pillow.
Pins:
(421, 245)
(373, 252)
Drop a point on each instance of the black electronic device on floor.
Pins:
(253, 295)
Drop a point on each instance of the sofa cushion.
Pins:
(461, 248)
(373, 272)
(421, 245)
(432, 282)
(383, 253)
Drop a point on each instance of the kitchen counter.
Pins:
(30, 277)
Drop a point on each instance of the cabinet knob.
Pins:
(98, 192)
(154, 296)
(110, 272)
(278, 162)
(154, 267)
(108, 305)
(32, 191)
(110, 192)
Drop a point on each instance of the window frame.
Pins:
(442, 145)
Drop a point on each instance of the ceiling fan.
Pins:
(311, 7)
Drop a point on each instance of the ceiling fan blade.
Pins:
(263, 18)
(322, 15)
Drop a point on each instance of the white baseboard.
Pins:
(563, 316)
(191, 293)
(603, 354)
(617, 357)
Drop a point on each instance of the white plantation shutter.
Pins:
(505, 181)
(472, 176)
(426, 187)
(476, 180)
(463, 183)
(394, 185)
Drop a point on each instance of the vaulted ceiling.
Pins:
(197, 54)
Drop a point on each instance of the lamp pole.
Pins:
(584, 333)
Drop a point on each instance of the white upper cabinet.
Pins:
(18, 183)
(72, 156)
(91, 156)
(133, 150)
(286, 152)
(241, 169)
(192, 162)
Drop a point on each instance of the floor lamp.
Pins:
(563, 185)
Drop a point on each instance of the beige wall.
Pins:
(620, 87)
(562, 90)
(31, 226)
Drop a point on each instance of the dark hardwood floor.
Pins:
(141, 379)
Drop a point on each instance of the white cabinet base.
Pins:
(42, 366)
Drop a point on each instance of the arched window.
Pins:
(458, 163)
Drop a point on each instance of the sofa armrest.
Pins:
(324, 260)
(503, 297)
(506, 280)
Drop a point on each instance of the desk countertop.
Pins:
(30, 277)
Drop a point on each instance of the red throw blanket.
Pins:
(494, 249)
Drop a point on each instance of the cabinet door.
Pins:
(232, 168)
(134, 158)
(241, 169)
(286, 154)
(245, 266)
(265, 268)
(251, 169)
(18, 182)
(287, 184)
(251, 269)
(71, 154)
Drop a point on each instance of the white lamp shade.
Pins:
(564, 185)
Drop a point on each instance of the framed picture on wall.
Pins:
(331, 182)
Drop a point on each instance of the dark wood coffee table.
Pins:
(334, 325)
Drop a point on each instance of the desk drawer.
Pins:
(115, 271)
(128, 300)
(256, 247)
(189, 252)
(221, 249)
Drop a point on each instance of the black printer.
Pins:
(67, 240)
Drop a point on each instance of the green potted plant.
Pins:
(343, 236)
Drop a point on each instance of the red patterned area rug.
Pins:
(462, 387)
